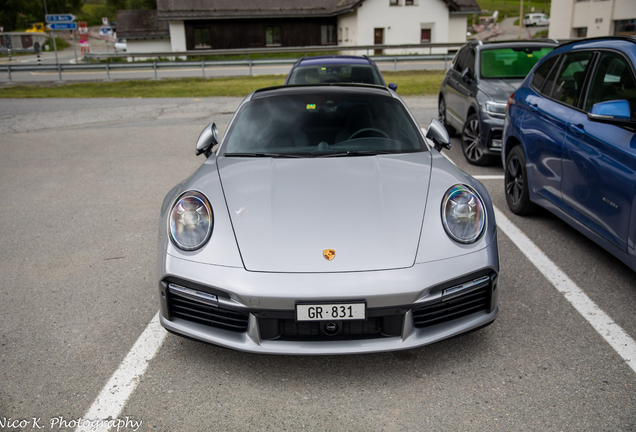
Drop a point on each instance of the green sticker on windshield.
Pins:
(324, 68)
(311, 106)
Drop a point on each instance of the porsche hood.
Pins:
(292, 215)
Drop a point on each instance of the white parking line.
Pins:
(118, 389)
(622, 343)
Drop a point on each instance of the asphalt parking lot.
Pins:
(81, 184)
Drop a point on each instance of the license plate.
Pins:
(330, 311)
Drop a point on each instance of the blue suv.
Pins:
(569, 142)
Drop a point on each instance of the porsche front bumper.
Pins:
(255, 312)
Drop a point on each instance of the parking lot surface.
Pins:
(81, 184)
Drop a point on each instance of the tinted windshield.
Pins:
(323, 124)
(365, 74)
(510, 62)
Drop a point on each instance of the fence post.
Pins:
(203, 68)
(9, 52)
(395, 64)
(39, 60)
(154, 64)
(9, 70)
(59, 71)
(250, 67)
(107, 72)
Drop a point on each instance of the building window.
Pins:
(409, 2)
(202, 38)
(581, 32)
(328, 34)
(272, 35)
(394, 3)
(346, 34)
(426, 35)
(340, 34)
(625, 27)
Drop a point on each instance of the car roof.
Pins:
(333, 59)
(601, 39)
(309, 89)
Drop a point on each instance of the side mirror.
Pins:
(615, 112)
(393, 86)
(467, 76)
(437, 133)
(209, 138)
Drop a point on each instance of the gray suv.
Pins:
(475, 90)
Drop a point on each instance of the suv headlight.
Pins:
(190, 221)
(496, 109)
(463, 214)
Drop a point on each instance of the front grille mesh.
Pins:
(184, 308)
(292, 328)
(478, 300)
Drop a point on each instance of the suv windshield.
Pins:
(322, 125)
(365, 74)
(510, 62)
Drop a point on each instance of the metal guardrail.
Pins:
(274, 50)
(156, 66)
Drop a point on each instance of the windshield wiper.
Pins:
(272, 155)
(356, 153)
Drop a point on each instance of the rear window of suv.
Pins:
(511, 62)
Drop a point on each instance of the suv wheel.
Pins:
(516, 183)
(471, 143)
(441, 109)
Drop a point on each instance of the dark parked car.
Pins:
(570, 142)
(336, 69)
(473, 95)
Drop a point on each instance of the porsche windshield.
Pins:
(323, 124)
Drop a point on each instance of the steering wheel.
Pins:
(378, 131)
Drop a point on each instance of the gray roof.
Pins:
(216, 9)
(463, 6)
(223, 9)
(136, 24)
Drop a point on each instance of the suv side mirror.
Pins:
(615, 111)
(393, 86)
(209, 138)
(438, 134)
(467, 76)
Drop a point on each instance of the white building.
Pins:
(190, 25)
(402, 22)
(590, 18)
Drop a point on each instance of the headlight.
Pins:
(463, 214)
(496, 109)
(191, 221)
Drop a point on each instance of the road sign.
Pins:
(60, 18)
(62, 26)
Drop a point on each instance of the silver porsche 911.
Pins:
(326, 222)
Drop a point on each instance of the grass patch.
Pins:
(416, 83)
(410, 83)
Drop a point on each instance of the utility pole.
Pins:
(520, 17)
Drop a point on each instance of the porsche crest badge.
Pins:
(329, 254)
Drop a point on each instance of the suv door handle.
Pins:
(577, 129)
(533, 107)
